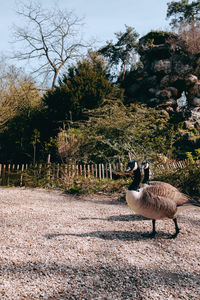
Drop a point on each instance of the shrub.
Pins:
(187, 179)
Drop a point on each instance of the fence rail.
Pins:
(15, 174)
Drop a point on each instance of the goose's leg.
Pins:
(153, 233)
(176, 228)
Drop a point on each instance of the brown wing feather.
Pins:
(154, 202)
(168, 191)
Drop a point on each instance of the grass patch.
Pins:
(93, 186)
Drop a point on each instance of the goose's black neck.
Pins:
(146, 176)
(136, 181)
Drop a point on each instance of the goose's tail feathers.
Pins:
(192, 203)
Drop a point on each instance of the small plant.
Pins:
(95, 186)
(193, 156)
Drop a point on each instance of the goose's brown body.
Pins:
(156, 200)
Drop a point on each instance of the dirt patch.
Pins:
(54, 246)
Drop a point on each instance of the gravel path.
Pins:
(55, 246)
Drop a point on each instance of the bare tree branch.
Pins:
(50, 37)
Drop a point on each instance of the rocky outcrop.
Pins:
(167, 72)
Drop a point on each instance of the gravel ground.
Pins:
(55, 246)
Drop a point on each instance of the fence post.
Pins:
(88, 171)
(8, 174)
(73, 171)
(99, 171)
(81, 170)
(110, 169)
(3, 174)
(84, 171)
(48, 168)
(96, 171)
(106, 168)
(103, 175)
(92, 170)
(58, 172)
(21, 177)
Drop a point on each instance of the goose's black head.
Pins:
(145, 167)
(132, 166)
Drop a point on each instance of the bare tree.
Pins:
(190, 33)
(49, 38)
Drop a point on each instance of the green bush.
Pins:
(187, 179)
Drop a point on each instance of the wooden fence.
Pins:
(15, 174)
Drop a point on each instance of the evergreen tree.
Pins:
(84, 87)
(121, 53)
(183, 11)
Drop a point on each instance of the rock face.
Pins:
(167, 73)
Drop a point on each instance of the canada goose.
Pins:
(154, 200)
(145, 167)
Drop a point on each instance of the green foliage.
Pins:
(69, 143)
(187, 179)
(18, 138)
(35, 139)
(121, 52)
(84, 87)
(39, 176)
(156, 37)
(35, 177)
(94, 185)
(183, 11)
(18, 94)
(114, 130)
(193, 156)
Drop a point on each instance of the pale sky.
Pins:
(102, 18)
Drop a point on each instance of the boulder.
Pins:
(190, 80)
(171, 102)
(164, 82)
(195, 118)
(164, 94)
(173, 90)
(154, 101)
(195, 102)
(162, 65)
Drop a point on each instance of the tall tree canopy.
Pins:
(183, 11)
(84, 87)
(121, 53)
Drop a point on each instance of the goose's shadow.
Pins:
(122, 218)
(109, 235)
